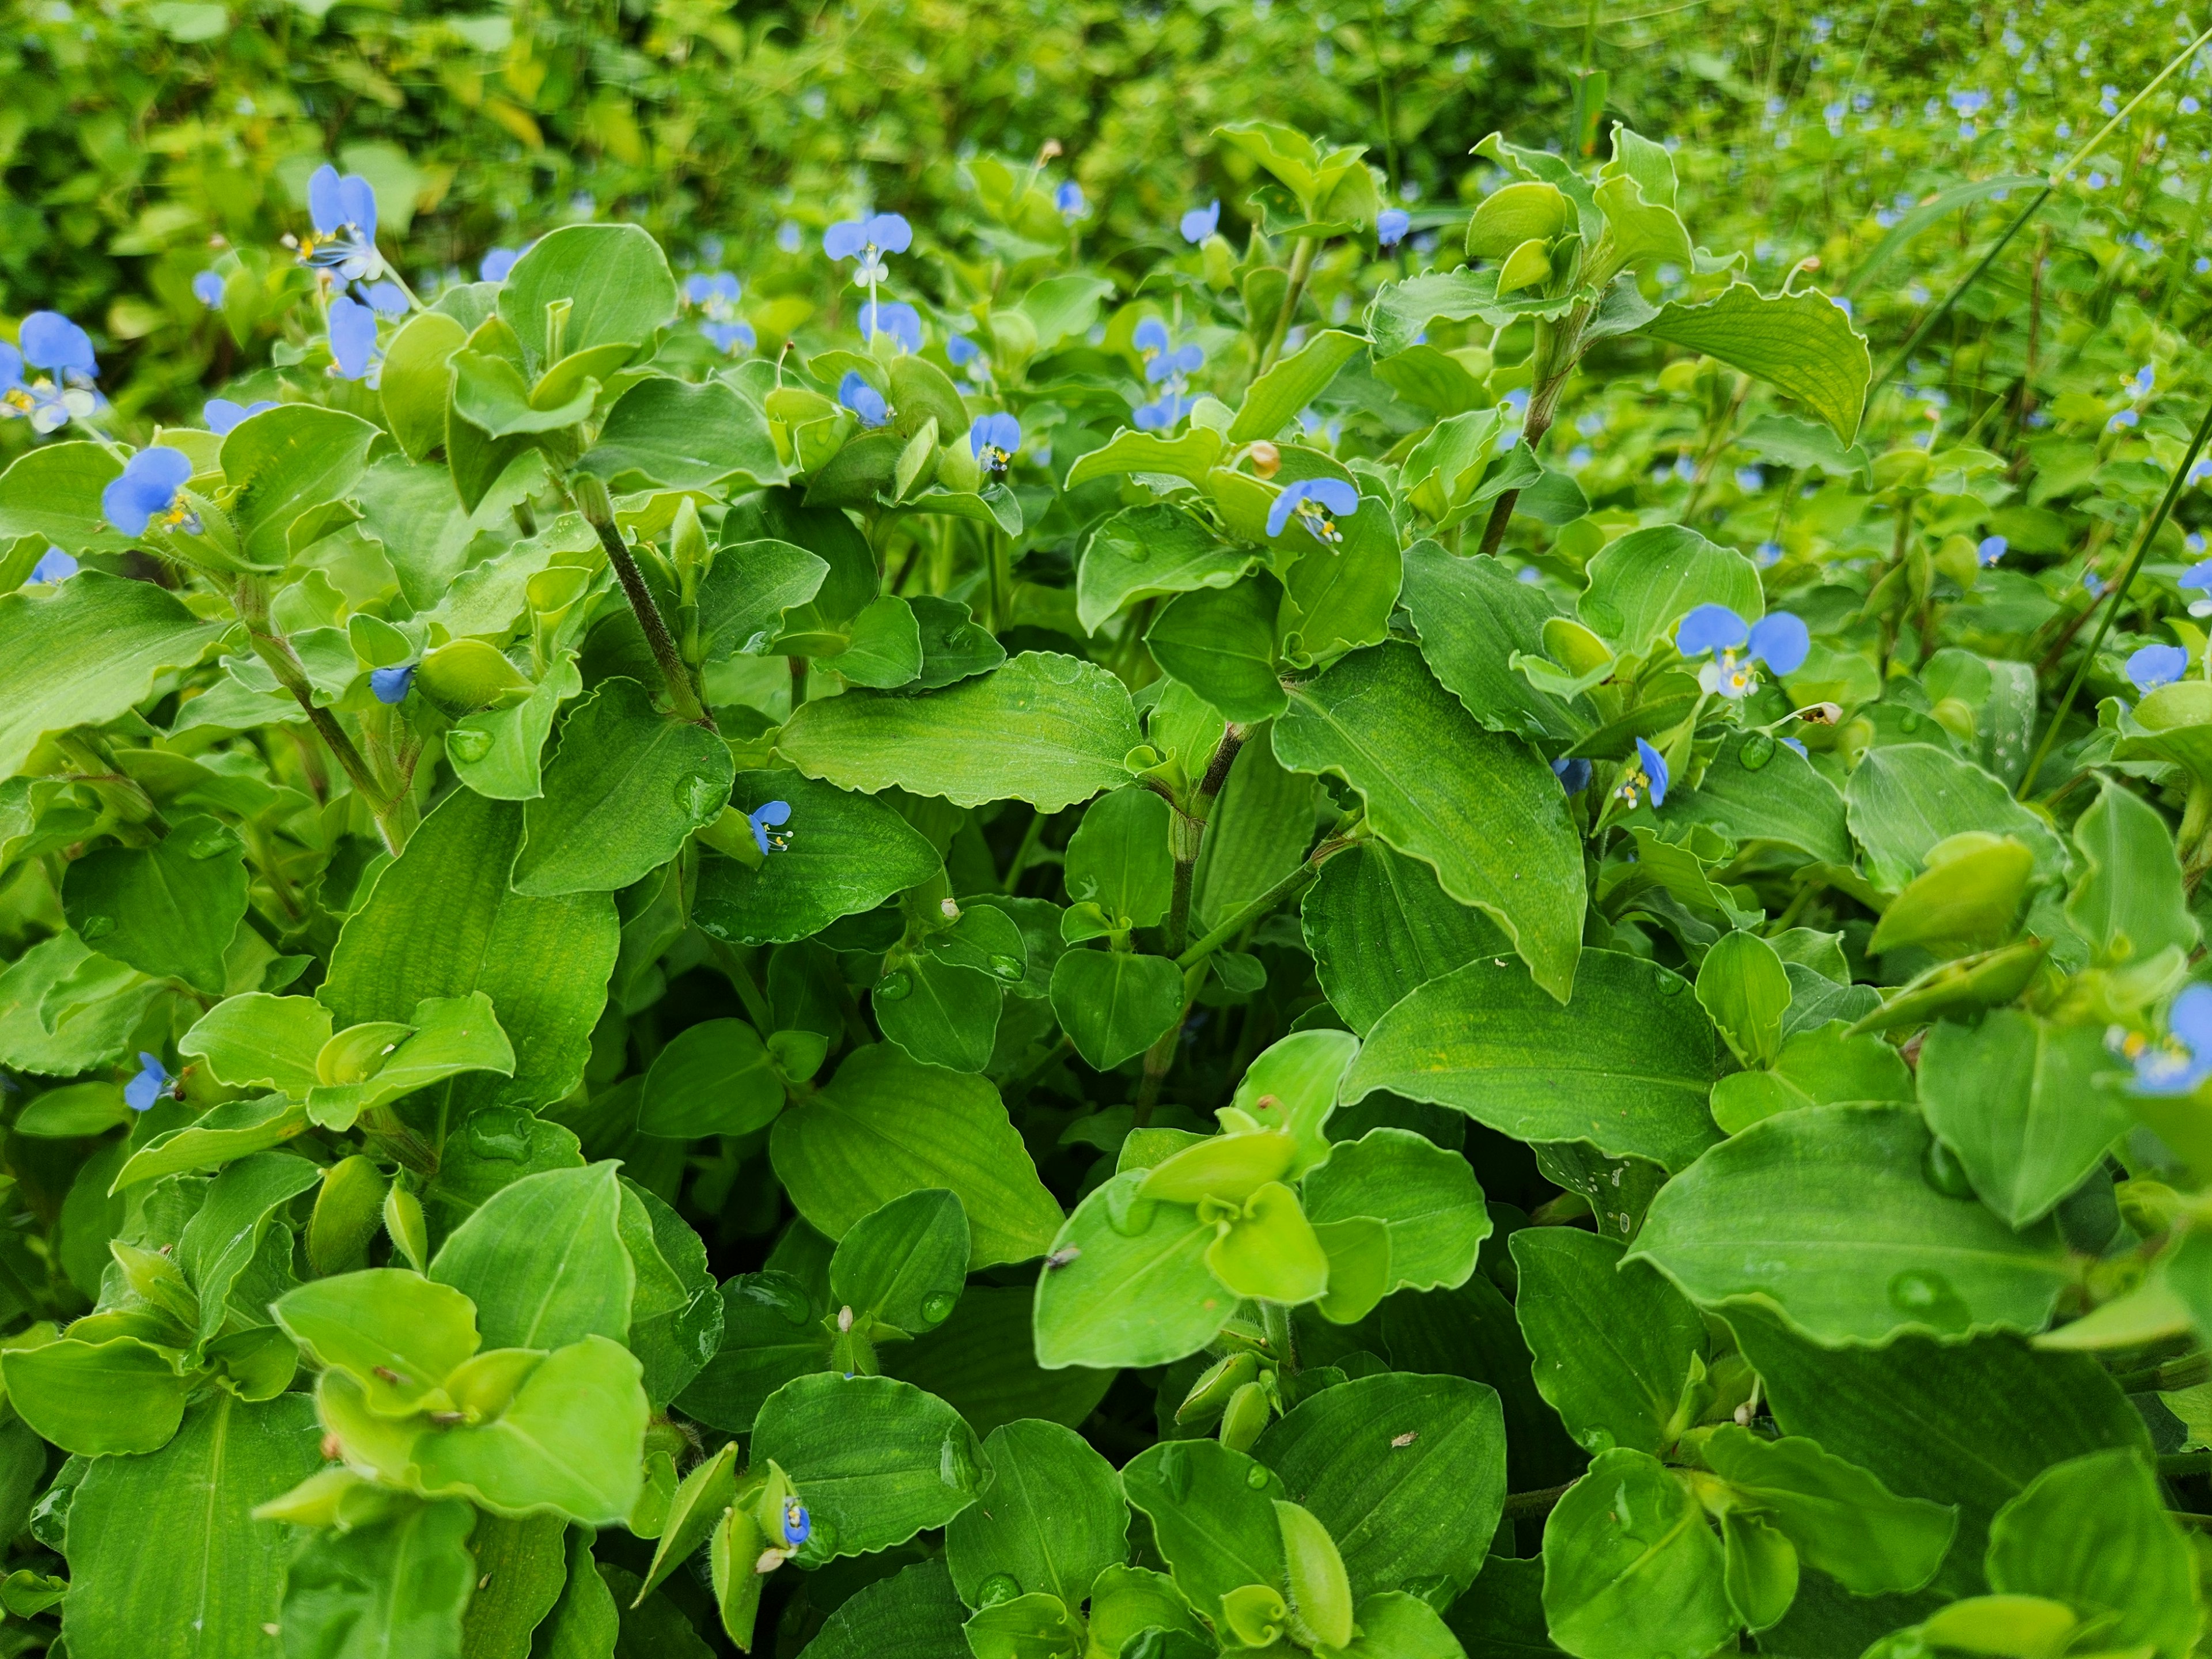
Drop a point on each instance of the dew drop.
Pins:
(1928, 1298)
(895, 986)
(214, 843)
(1126, 1213)
(1672, 985)
(1914, 1293)
(1908, 721)
(93, 927)
(1256, 1477)
(956, 1466)
(1008, 968)
(1758, 750)
(998, 1587)
(935, 1308)
(1941, 1168)
(467, 744)
(700, 797)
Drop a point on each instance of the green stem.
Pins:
(1282, 1342)
(1301, 262)
(2119, 597)
(589, 495)
(1376, 26)
(1287, 888)
(742, 981)
(1528, 1505)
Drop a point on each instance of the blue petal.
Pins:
(1574, 775)
(53, 565)
(1709, 628)
(1338, 496)
(207, 288)
(147, 485)
(50, 341)
(798, 1525)
(902, 322)
(11, 367)
(2157, 665)
(1655, 768)
(387, 298)
(1068, 199)
(960, 349)
(1990, 548)
(360, 203)
(220, 415)
(144, 1090)
(1200, 223)
(844, 239)
(1390, 226)
(2190, 1018)
(497, 263)
(1152, 335)
(1187, 360)
(325, 204)
(353, 336)
(1279, 515)
(389, 685)
(2199, 576)
(890, 233)
(1781, 642)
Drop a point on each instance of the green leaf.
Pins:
(417, 380)
(709, 1489)
(1402, 312)
(1220, 642)
(1479, 808)
(885, 1125)
(1762, 1215)
(846, 854)
(1379, 927)
(1627, 1064)
(169, 909)
(232, 1130)
(384, 1320)
(287, 463)
(882, 647)
(713, 1079)
(397, 1585)
(1907, 798)
(1142, 552)
(221, 1244)
(1118, 858)
(1338, 596)
(745, 599)
(1644, 583)
(1114, 1004)
(2092, 1532)
(585, 1622)
(770, 1333)
(261, 1040)
(1137, 1291)
(1273, 400)
(2029, 1107)
(543, 1262)
(521, 1568)
(1842, 1520)
(450, 1035)
(1427, 1198)
(955, 646)
(49, 496)
(1615, 1343)
(1800, 343)
(1472, 618)
(1630, 1569)
(1049, 1516)
(982, 1362)
(1741, 984)
(491, 393)
(622, 792)
(613, 276)
(97, 1398)
(194, 1498)
(1407, 1473)
(680, 436)
(443, 922)
(876, 1460)
(913, 1613)
(85, 651)
(1780, 798)
(904, 1265)
(2130, 904)
(675, 1310)
(1821, 1066)
(1760, 1570)
(1213, 1517)
(1045, 728)
(1192, 454)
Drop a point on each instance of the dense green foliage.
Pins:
(1007, 865)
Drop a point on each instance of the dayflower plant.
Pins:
(148, 1085)
(149, 493)
(994, 439)
(344, 213)
(52, 342)
(764, 821)
(2155, 665)
(390, 685)
(352, 332)
(863, 400)
(2181, 1062)
(1315, 505)
(1199, 223)
(1645, 775)
(1780, 640)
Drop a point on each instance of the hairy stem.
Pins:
(589, 495)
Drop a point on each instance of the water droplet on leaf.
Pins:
(210, 843)
(701, 797)
(1941, 1168)
(1908, 721)
(1758, 750)
(468, 744)
(1928, 1298)
(1255, 1477)
(998, 1587)
(935, 1308)
(1008, 968)
(895, 986)
(1672, 985)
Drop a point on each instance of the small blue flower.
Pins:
(51, 342)
(1574, 775)
(1989, 550)
(1649, 773)
(798, 1525)
(2157, 665)
(148, 1086)
(2198, 579)
(2203, 264)
(391, 685)
(2125, 418)
(352, 339)
(496, 263)
(1316, 503)
(1792, 742)
(994, 439)
(885, 231)
(1750, 480)
(344, 215)
(1151, 338)
(1780, 641)
(731, 338)
(1391, 225)
(1068, 200)
(1200, 223)
(709, 288)
(386, 299)
(2138, 384)
(2093, 584)
(148, 491)
(221, 414)
(2183, 1061)
(2200, 470)
(1766, 554)
(960, 349)
(1841, 303)
(902, 322)
(1161, 413)
(770, 815)
(53, 565)
(863, 400)
(207, 288)
(1175, 365)
(2189, 105)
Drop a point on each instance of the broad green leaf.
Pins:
(1743, 985)
(232, 1130)
(681, 436)
(876, 1460)
(1191, 454)
(713, 1079)
(2029, 1107)
(491, 393)
(903, 1264)
(1407, 1473)
(913, 1613)
(1275, 399)
(1627, 1064)
(1631, 1567)
(944, 1014)
(219, 1246)
(847, 853)
(417, 380)
(1119, 857)
(1472, 617)
(2093, 1532)
(1142, 552)
(1762, 1215)
(169, 909)
(699, 1502)
(82, 652)
(1338, 596)
(1114, 1004)
(450, 1035)
(887, 1125)
(1479, 807)
(521, 1568)
(543, 1262)
(614, 278)
(955, 646)
(1212, 1516)
(1820, 1065)
(261, 1040)
(744, 599)
(500, 752)
(585, 1622)
(1802, 344)
(676, 1309)
(1397, 1624)
(286, 463)
(1427, 1198)
(770, 1335)
(194, 1498)
(443, 922)
(1044, 728)
(1614, 1344)
(97, 1398)
(1379, 927)
(1136, 1290)
(1049, 1516)
(1033, 1626)
(1220, 642)
(982, 1362)
(50, 496)
(882, 647)
(1907, 798)
(623, 790)
(397, 1585)
(380, 1321)
(2128, 903)
(1644, 584)
(1766, 791)
(1842, 1520)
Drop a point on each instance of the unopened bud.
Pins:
(1267, 460)
(1821, 714)
(948, 910)
(589, 491)
(1051, 149)
(769, 1561)
(844, 1319)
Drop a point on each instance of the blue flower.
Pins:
(344, 215)
(387, 299)
(496, 264)
(1200, 223)
(353, 338)
(1391, 225)
(1574, 775)
(2157, 665)
(207, 288)
(1161, 363)
(1841, 303)
(1780, 641)
(992, 440)
(2198, 579)
(1750, 480)
(902, 322)
(221, 414)
(2182, 1062)
(1989, 550)
(53, 565)
(1151, 338)
(798, 1525)
(960, 349)
(770, 815)
(2093, 584)
(391, 685)
(709, 289)
(1316, 503)
(731, 338)
(2139, 385)
(1163, 412)
(863, 400)
(149, 491)
(1766, 554)
(1647, 772)
(148, 1086)
(1068, 199)
(870, 239)
(51, 342)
